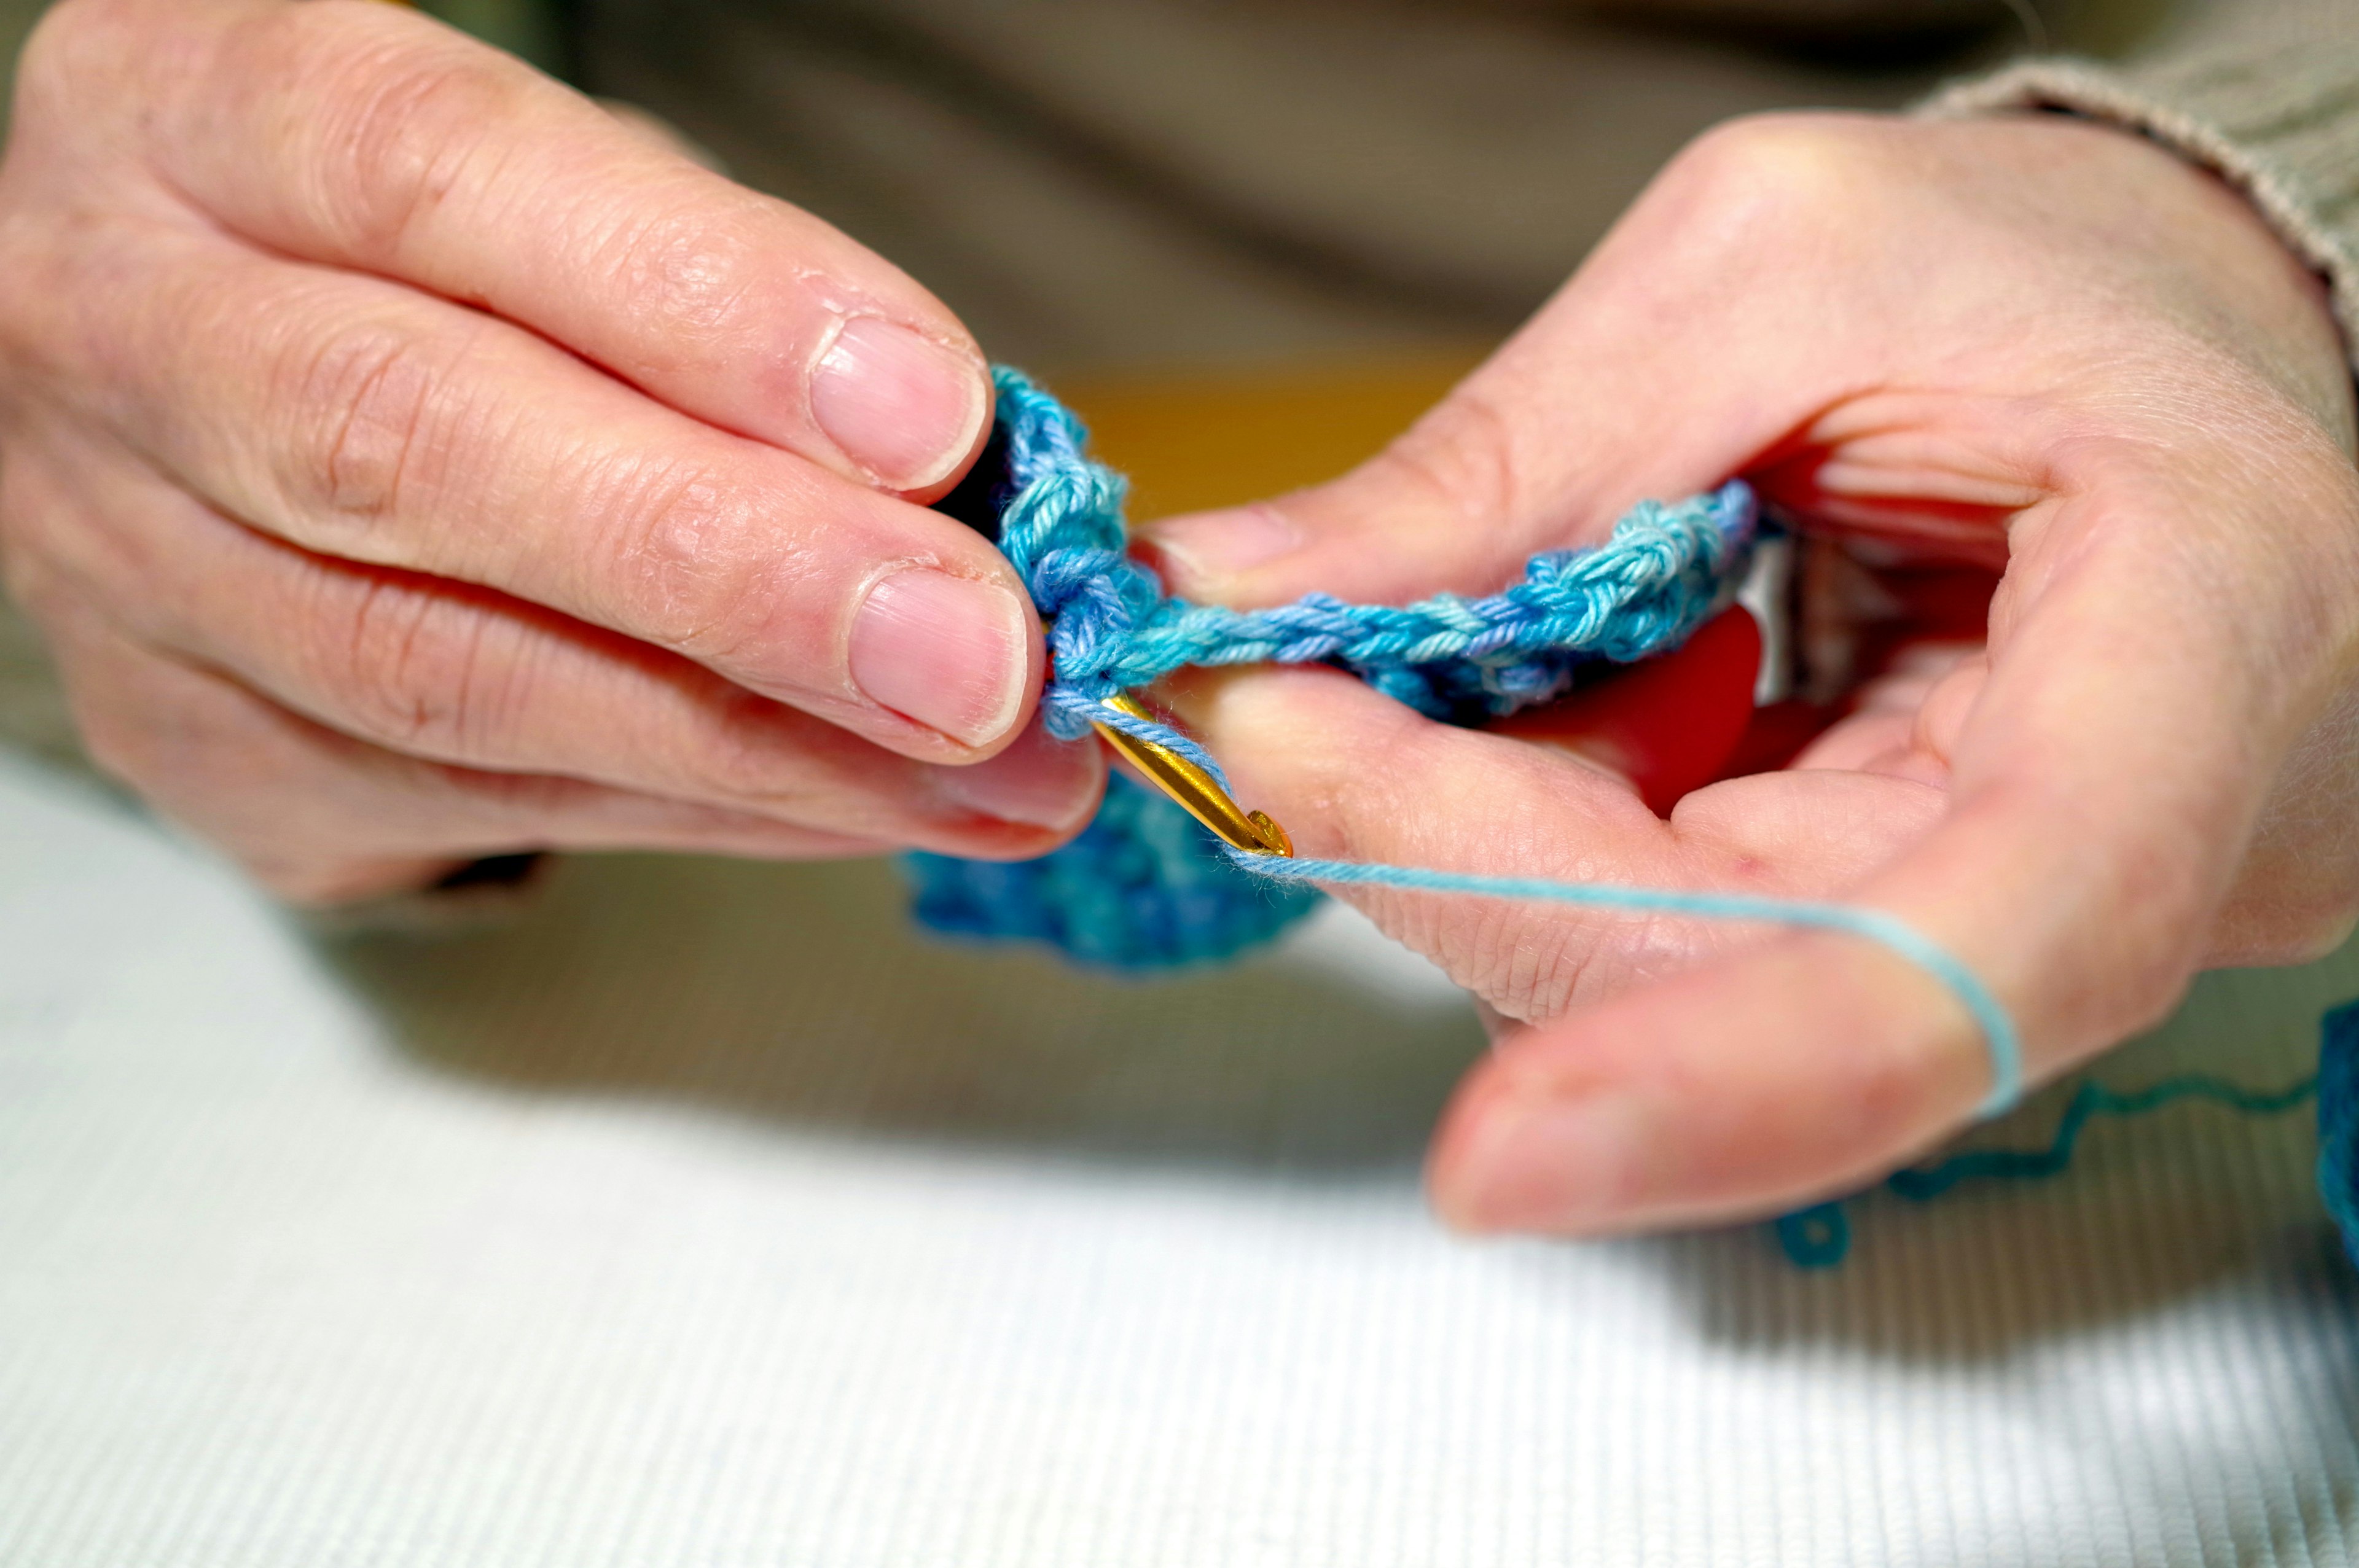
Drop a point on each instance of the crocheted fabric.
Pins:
(1145, 887)
(2338, 1121)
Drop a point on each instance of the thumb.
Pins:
(1504, 466)
(1594, 405)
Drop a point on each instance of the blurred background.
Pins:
(1248, 241)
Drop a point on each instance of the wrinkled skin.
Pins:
(408, 461)
(2028, 345)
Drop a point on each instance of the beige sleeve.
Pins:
(2264, 93)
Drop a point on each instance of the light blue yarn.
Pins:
(2000, 1041)
(1145, 888)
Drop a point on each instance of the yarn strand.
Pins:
(2002, 1044)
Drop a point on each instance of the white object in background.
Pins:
(707, 1218)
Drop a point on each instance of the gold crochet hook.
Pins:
(1193, 788)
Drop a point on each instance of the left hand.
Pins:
(2031, 345)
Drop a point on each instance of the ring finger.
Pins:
(471, 679)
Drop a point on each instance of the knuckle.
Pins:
(1763, 175)
(689, 266)
(694, 570)
(1462, 457)
(367, 401)
(410, 670)
(407, 112)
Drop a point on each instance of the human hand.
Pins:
(2033, 346)
(410, 461)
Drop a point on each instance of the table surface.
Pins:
(704, 1216)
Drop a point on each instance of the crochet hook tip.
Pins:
(1272, 835)
(1196, 790)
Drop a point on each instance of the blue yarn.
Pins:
(2000, 1041)
(1111, 629)
(1814, 1237)
(1140, 889)
(1136, 891)
(2092, 1099)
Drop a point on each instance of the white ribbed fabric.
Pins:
(705, 1219)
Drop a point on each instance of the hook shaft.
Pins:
(1193, 788)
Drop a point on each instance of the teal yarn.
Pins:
(2338, 1121)
(1110, 627)
(1820, 1236)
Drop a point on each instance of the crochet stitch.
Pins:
(1145, 888)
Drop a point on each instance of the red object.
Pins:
(1670, 724)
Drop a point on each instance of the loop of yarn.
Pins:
(1145, 887)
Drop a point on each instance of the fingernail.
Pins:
(1039, 780)
(1216, 543)
(946, 651)
(1546, 1163)
(902, 406)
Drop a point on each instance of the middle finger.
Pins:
(467, 676)
(357, 417)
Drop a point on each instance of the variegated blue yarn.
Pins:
(1145, 888)
(1139, 889)
(1113, 630)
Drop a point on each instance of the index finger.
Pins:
(366, 137)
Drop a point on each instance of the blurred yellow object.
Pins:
(1204, 438)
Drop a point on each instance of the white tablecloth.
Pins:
(705, 1216)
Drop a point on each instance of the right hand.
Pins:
(409, 462)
